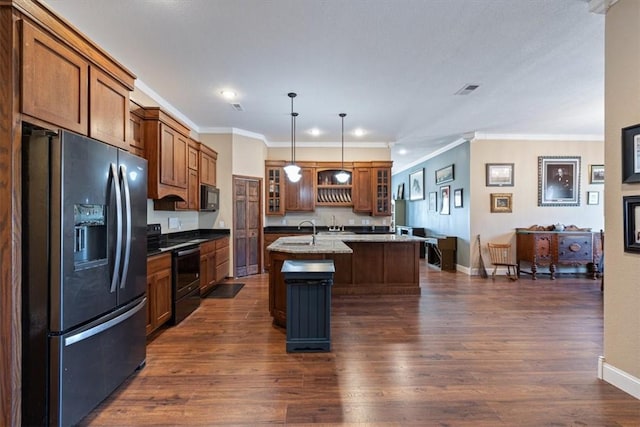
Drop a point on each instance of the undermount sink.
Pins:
(295, 244)
(334, 233)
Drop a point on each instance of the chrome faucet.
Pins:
(313, 236)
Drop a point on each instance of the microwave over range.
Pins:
(209, 198)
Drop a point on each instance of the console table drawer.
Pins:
(575, 248)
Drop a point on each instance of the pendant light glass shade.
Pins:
(343, 176)
(292, 170)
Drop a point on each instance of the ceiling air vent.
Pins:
(467, 89)
(237, 107)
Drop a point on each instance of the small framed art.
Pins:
(501, 202)
(593, 197)
(457, 198)
(631, 154)
(596, 174)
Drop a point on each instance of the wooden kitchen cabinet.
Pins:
(222, 258)
(207, 266)
(330, 192)
(275, 188)
(300, 196)
(136, 129)
(193, 178)
(55, 81)
(362, 197)
(108, 109)
(166, 146)
(208, 165)
(158, 291)
(381, 191)
(63, 88)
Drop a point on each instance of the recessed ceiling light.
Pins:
(228, 94)
(314, 131)
(402, 151)
(359, 132)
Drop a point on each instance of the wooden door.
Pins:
(247, 223)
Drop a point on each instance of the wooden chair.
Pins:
(501, 257)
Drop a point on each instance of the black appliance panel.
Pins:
(86, 354)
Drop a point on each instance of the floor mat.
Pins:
(225, 290)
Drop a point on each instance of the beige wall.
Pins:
(500, 227)
(622, 108)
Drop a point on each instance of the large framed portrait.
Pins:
(499, 175)
(559, 181)
(631, 223)
(631, 154)
(416, 185)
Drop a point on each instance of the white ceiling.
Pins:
(392, 65)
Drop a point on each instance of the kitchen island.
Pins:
(369, 264)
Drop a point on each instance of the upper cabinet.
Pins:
(193, 179)
(166, 147)
(275, 187)
(362, 197)
(62, 87)
(300, 195)
(136, 129)
(367, 190)
(208, 161)
(330, 192)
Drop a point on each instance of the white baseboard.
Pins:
(618, 378)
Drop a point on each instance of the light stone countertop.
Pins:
(333, 244)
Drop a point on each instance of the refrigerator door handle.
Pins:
(127, 205)
(104, 326)
(118, 251)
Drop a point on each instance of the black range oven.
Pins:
(186, 282)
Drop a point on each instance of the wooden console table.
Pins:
(441, 251)
(552, 248)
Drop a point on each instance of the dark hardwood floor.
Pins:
(467, 352)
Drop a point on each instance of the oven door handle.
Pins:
(187, 252)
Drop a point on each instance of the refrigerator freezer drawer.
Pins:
(88, 366)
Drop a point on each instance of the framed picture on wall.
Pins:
(499, 175)
(593, 197)
(416, 185)
(631, 154)
(433, 201)
(444, 175)
(631, 206)
(501, 202)
(457, 198)
(444, 200)
(559, 181)
(596, 174)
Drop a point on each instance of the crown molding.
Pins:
(328, 144)
(166, 105)
(536, 137)
(600, 6)
(233, 131)
(430, 155)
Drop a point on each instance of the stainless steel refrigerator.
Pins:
(84, 274)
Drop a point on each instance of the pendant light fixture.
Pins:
(292, 170)
(342, 176)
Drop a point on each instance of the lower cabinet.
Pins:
(222, 258)
(158, 291)
(207, 266)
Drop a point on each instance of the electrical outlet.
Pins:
(174, 223)
(221, 223)
(352, 222)
(384, 222)
(284, 222)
